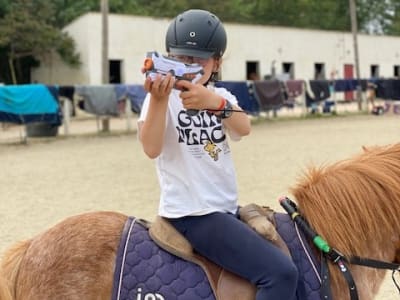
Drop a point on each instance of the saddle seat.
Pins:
(225, 285)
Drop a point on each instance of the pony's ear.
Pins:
(369, 148)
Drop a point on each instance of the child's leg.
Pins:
(230, 243)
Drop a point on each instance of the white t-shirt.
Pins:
(195, 167)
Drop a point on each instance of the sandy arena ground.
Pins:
(45, 181)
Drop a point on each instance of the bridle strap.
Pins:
(373, 263)
(394, 280)
(340, 260)
(325, 293)
(377, 264)
(349, 278)
(337, 258)
(334, 256)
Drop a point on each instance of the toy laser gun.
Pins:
(155, 63)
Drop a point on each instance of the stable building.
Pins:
(263, 51)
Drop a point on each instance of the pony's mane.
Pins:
(355, 204)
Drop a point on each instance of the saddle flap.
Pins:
(233, 287)
(168, 238)
(225, 285)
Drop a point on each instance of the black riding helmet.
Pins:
(197, 33)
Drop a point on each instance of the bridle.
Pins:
(331, 255)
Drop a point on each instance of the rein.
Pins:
(334, 256)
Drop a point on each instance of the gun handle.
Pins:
(191, 112)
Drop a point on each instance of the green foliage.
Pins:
(379, 17)
(66, 11)
(4, 7)
(26, 31)
(373, 16)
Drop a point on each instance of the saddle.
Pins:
(225, 285)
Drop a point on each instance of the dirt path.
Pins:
(44, 182)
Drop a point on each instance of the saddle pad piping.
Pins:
(307, 253)
(124, 258)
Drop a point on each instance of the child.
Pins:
(194, 163)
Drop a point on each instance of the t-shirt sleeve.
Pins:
(224, 93)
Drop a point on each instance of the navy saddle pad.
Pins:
(145, 271)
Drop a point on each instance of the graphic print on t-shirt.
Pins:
(202, 129)
(212, 150)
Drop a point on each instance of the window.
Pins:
(252, 70)
(115, 71)
(288, 68)
(396, 71)
(319, 71)
(374, 71)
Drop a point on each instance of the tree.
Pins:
(27, 36)
(4, 7)
(65, 11)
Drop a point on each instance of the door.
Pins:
(349, 74)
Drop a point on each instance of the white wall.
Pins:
(130, 37)
(53, 71)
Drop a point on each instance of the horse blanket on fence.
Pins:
(135, 93)
(100, 100)
(241, 90)
(22, 104)
(145, 271)
(269, 94)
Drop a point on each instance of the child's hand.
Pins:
(160, 87)
(197, 96)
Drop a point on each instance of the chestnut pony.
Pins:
(354, 204)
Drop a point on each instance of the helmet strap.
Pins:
(214, 75)
(213, 78)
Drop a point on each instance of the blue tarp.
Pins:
(29, 103)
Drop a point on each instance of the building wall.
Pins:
(53, 71)
(130, 37)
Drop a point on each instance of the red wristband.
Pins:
(220, 107)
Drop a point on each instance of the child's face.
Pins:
(209, 65)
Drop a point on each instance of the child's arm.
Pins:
(151, 131)
(196, 96)
(238, 123)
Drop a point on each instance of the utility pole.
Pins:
(104, 42)
(354, 30)
(104, 55)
